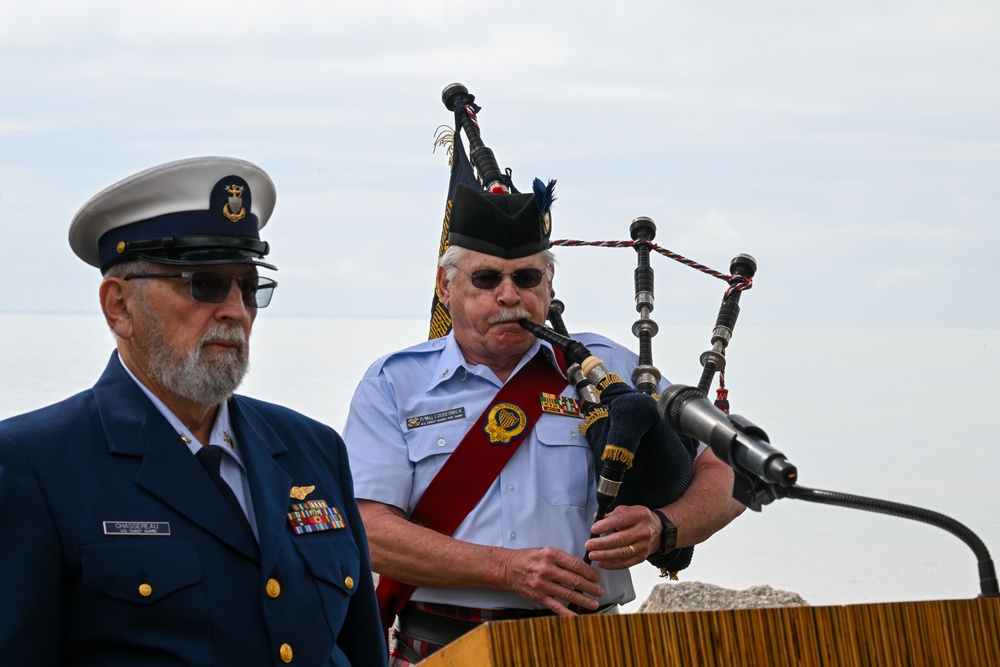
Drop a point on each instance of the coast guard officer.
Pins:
(156, 518)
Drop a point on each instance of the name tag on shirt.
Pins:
(436, 418)
(136, 528)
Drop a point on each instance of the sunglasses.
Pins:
(490, 279)
(214, 286)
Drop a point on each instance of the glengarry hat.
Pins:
(503, 225)
(199, 211)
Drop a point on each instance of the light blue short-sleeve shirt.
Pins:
(412, 409)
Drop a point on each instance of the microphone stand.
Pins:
(987, 573)
(762, 474)
(755, 489)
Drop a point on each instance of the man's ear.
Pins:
(443, 286)
(115, 307)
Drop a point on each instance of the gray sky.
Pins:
(853, 148)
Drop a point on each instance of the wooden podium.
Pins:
(962, 633)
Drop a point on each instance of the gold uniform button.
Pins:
(273, 588)
(349, 583)
(121, 247)
(286, 653)
(145, 590)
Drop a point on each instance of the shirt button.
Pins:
(510, 488)
(145, 590)
(349, 582)
(513, 537)
(286, 653)
(273, 588)
(441, 442)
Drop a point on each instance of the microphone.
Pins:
(734, 439)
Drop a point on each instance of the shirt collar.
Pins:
(220, 429)
(452, 360)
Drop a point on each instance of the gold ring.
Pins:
(632, 549)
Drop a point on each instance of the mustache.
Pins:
(509, 315)
(223, 333)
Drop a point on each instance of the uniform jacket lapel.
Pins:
(270, 484)
(134, 427)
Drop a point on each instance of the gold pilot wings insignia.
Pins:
(300, 492)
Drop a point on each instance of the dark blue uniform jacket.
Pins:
(204, 594)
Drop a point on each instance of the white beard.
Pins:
(205, 378)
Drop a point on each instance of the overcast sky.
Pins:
(853, 148)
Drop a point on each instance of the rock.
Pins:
(697, 596)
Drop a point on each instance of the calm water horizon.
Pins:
(878, 412)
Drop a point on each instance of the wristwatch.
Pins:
(668, 538)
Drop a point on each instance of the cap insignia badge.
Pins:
(235, 204)
(300, 492)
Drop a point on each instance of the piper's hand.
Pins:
(552, 578)
(633, 534)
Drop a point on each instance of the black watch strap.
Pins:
(668, 538)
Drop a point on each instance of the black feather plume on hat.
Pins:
(544, 195)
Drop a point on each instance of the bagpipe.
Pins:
(644, 445)
(638, 458)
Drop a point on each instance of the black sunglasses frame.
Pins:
(264, 287)
(487, 279)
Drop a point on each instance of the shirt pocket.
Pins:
(428, 448)
(142, 574)
(334, 562)
(565, 462)
(332, 558)
(148, 594)
(429, 441)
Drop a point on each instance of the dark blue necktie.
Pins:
(210, 458)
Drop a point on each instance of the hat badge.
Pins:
(235, 203)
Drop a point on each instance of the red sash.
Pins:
(474, 465)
